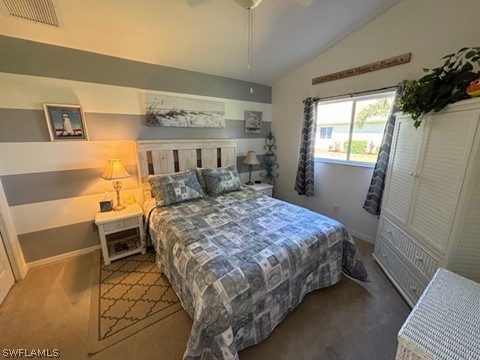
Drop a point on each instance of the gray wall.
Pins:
(53, 188)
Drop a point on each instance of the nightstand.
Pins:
(121, 232)
(263, 188)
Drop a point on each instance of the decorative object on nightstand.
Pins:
(121, 232)
(250, 160)
(106, 204)
(263, 188)
(269, 161)
(115, 171)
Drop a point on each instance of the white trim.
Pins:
(10, 239)
(369, 95)
(361, 236)
(60, 257)
(344, 162)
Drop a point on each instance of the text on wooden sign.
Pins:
(383, 64)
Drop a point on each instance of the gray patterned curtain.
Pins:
(306, 160)
(377, 184)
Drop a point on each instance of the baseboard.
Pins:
(363, 237)
(60, 257)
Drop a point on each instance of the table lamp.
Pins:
(250, 160)
(115, 171)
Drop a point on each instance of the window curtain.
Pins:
(377, 184)
(306, 160)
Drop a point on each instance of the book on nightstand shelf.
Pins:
(123, 245)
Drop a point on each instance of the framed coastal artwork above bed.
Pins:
(65, 122)
(253, 122)
(175, 111)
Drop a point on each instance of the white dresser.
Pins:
(431, 205)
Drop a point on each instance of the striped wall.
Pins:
(53, 188)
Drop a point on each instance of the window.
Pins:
(351, 130)
(326, 132)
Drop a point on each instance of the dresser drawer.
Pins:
(120, 224)
(404, 279)
(423, 261)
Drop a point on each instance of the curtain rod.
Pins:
(357, 93)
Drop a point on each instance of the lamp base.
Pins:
(117, 185)
(119, 207)
(249, 183)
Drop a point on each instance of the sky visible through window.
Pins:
(357, 127)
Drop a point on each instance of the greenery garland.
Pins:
(442, 85)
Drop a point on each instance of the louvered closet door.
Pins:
(440, 177)
(466, 259)
(400, 182)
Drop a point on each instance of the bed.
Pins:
(239, 261)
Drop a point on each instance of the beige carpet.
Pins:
(127, 296)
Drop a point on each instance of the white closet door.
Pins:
(6, 274)
(401, 170)
(466, 257)
(442, 168)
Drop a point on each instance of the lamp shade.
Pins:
(251, 158)
(115, 170)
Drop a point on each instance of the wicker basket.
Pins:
(445, 322)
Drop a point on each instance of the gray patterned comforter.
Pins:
(241, 262)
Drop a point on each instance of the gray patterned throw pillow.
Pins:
(220, 181)
(175, 188)
(201, 180)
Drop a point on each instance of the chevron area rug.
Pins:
(127, 296)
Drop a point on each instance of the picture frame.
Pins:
(183, 112)
(128, 198)
(106, 206)
(253, 122)
(65, 122)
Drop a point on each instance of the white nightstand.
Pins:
(121, 232)
(263, 188)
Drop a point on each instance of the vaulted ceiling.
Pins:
(208, 36)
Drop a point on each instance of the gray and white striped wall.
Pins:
(53, 188)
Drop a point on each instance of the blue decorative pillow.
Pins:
(222, 180)
(201, 180)
(175, 188)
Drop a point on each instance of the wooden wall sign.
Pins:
(383, 64)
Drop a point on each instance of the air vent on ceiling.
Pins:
(40, 11)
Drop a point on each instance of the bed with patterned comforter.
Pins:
(240, 262)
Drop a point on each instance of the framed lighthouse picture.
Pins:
(65, 122)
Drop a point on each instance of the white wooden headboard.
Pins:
(168, 156)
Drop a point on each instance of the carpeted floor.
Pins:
(350, 320)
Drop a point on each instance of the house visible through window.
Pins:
(352, 130)
(326, 132)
